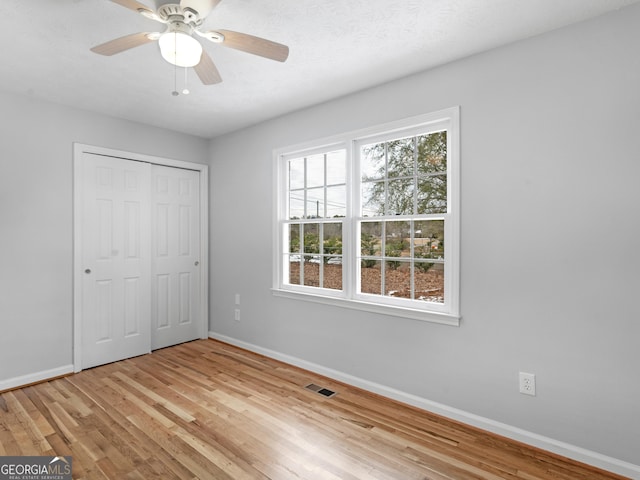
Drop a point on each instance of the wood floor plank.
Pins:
(208, 410)
(25, 429)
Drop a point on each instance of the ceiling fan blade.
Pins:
(255, 45)
(123, 43)
(207, 70)
(136, 7)
(203, 7)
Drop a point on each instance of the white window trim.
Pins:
(448, 314)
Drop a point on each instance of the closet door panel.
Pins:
(175, 246)
(116, 256)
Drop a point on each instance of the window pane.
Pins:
(372, 161)
(432, 153)
(370, 277)
(397, 236)
(397, 279)
(296, 204)
(336, 168)
(370, 239)
(296, 173)
(400, 158)
(428, 239)
(332, 275)
(294, 269)
(311, 238)
(429, 282)
(400, 197)
(311, 271)
(315, 203)
(315, 170)
(332, 248)
(432, 194)
(294, 238)
(332, 240)
(336, 201)
(372, 199)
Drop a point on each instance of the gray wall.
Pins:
(36, 220)
(550, 259)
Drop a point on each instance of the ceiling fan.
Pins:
(177, 43)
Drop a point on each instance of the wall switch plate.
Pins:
(527, 383)
(237, 314)
(237, 299)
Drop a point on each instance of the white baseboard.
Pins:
(549, 444)
(17, 382)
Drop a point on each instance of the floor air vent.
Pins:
(321, 390)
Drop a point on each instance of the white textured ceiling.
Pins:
(336, 47)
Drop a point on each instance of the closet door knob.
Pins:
(87, 271)
(196, 263)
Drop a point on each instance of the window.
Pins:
(369, 219)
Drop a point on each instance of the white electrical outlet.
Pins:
(528, 383)
(237, 314)
(237, 299)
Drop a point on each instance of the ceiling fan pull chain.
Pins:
(175, 68)
(185, 91)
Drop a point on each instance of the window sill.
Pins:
(413, 314)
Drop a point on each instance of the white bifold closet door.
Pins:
(140, 247)
(175, 249)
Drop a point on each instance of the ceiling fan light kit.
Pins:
(177, 44)
(179, 48)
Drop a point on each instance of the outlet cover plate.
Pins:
(527, 383)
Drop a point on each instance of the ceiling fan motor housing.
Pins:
(177, 25)
(172, 12)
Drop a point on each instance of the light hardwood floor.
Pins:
(208, 410)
